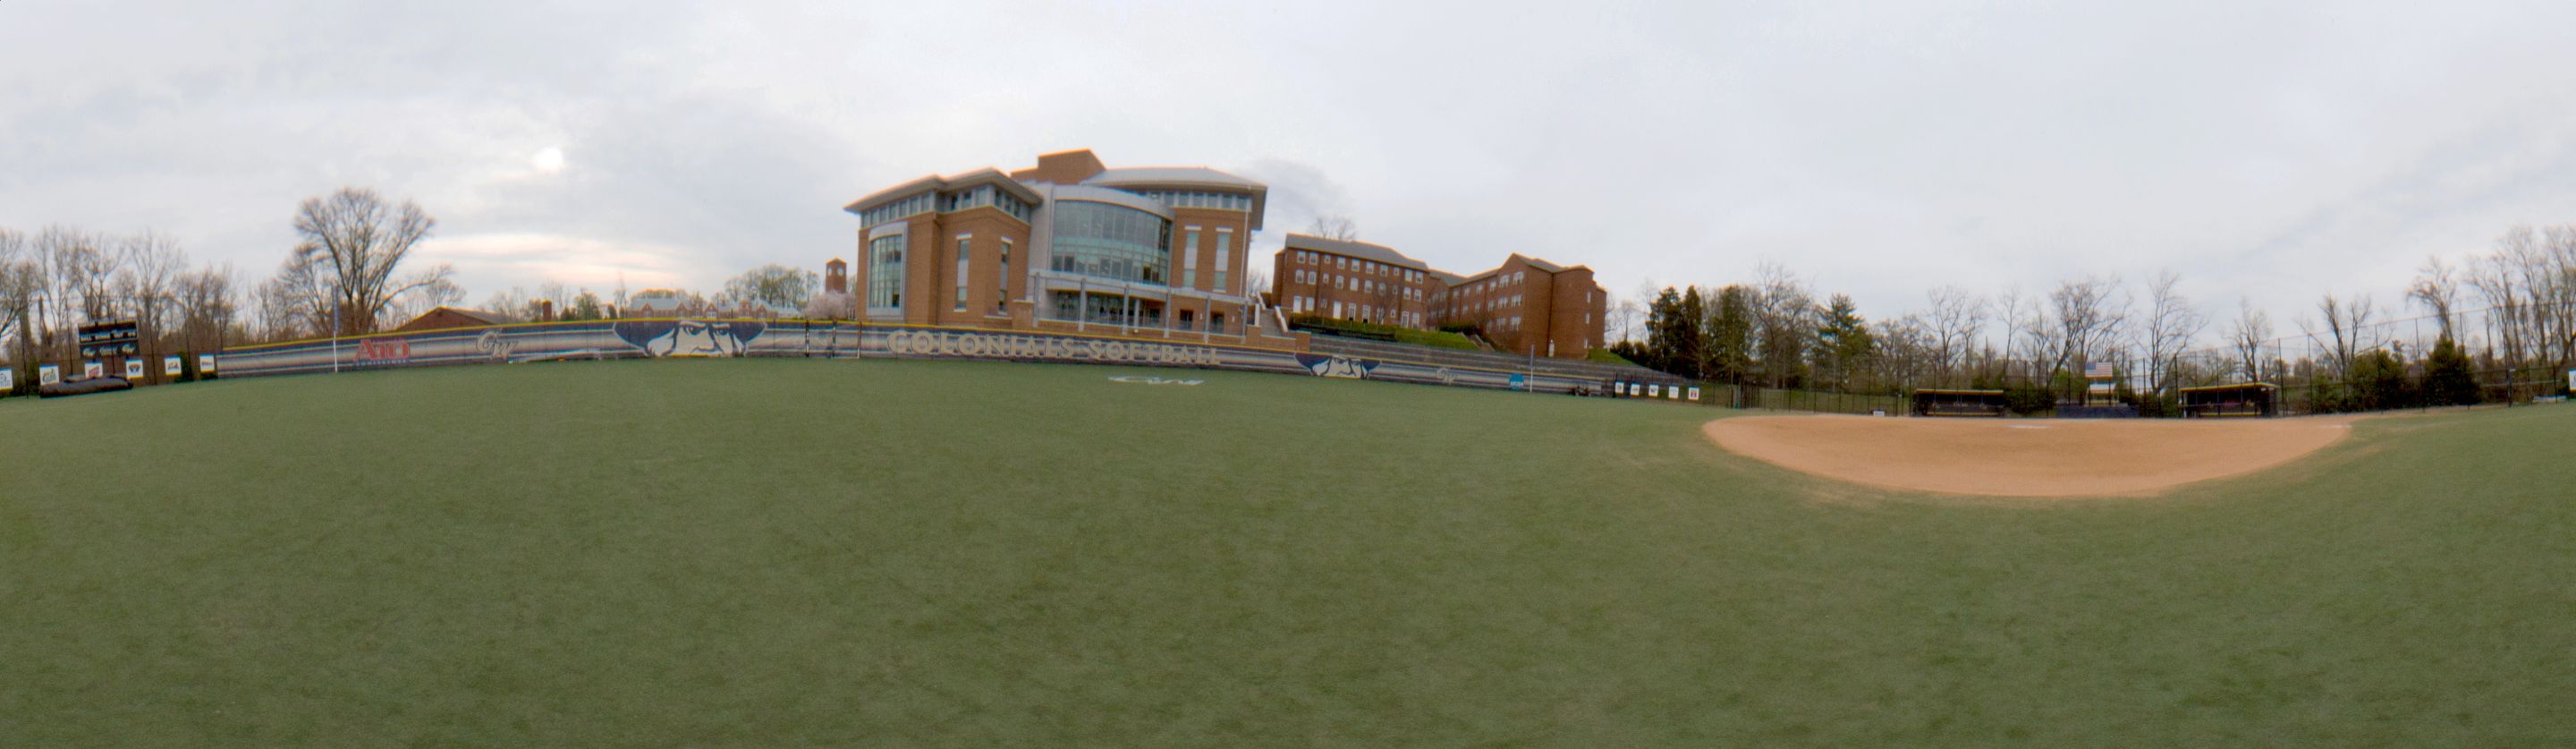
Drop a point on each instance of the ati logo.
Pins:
(1334, 366)
(492, 342)
(690, 337)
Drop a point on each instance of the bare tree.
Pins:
(22, 279)
(2251, 330)
(1334, 227)
(79, 268)
(1956, 317)
(2436, 287)
(2172, 324)
(360, 242)
(1784, 315)
(206, 308)
(2348, 329)
(1624, 314)
(2086, 318)
(148, 265)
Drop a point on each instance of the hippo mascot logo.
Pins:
(1334, 366)
(710, 338)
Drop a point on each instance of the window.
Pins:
(1190, 258)
(1002, 280)
(885, 272)
(1111, 241)
(1224, 249)
(964, 250)
(1341, 263)
(922, 203)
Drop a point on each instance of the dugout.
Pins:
(2256, 399)
(1959, 403)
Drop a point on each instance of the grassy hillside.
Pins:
(793, 552)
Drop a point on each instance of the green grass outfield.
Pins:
(887, 553)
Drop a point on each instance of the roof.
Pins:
(474, 316)
(1179, 176)
(1185, 176)
(1111, 196)
(1364, 250)
(2237, 386)
(1449, 278)
(1534, 263)
(986, 175)
(487, 318)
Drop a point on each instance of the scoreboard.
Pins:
(113, 339)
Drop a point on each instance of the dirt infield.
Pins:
(2025, 457)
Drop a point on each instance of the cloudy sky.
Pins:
(2269, 151)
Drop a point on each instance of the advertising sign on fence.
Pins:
(92, 369)
(8, 379)
(133, 369)
(205, 364)
(656, 338)
(1694, 393)
(170, 365)
(49, 375)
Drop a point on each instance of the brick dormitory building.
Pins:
(1526, 306)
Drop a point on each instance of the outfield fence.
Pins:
(691, 337)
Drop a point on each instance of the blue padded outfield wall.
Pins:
(640, 339)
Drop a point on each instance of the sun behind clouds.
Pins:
(549, 159)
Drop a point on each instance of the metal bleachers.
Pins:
(1450, 357)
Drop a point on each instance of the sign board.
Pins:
(1635, 390)
(8, 379)
(2571, 379)
(2100, 371)
(134, 369)
(205, 364)
(1694, 393)
(108, 340)
(49, 375)
(170, 365)
(92, 369)
(1520, 381)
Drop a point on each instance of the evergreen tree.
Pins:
(1689, 339)
(1729, 349)
(1662, 325)
(2447, 381)
(1842, 340)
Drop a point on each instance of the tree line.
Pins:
(2347, 353)
(350, 273)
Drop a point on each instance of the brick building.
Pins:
(1527, 306)
(1352, 281)
(1530, 306)
(1069, 244)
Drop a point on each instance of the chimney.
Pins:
(545, 310)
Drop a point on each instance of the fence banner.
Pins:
(170, 365)
(92, 370)
(8, 378)
(205, 364)
(638, 339)
(49, 375)
(133, 369)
